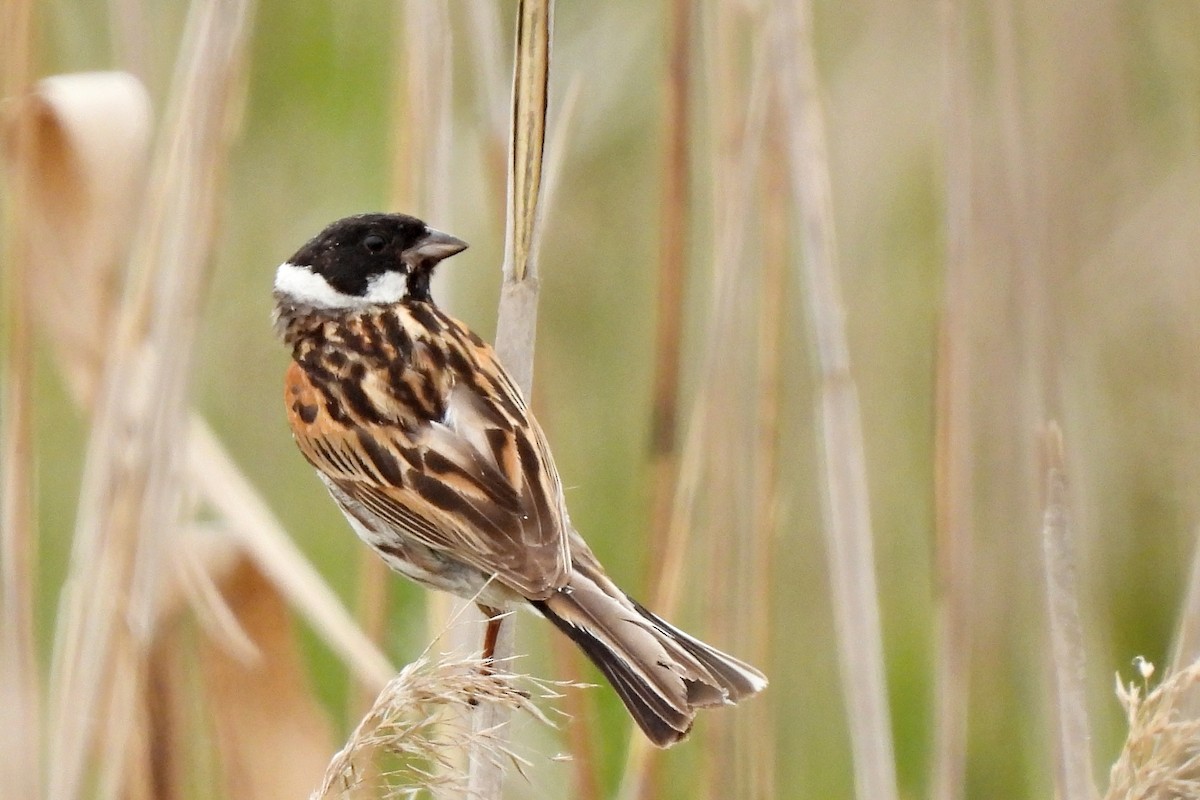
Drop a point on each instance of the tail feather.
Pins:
(661, 674)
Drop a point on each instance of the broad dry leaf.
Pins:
(91, 136)
(271, 735)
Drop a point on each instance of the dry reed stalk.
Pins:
(491, 78)
(92, 132)
(672, 277)
(581, 736)
(1185, 648)
(107, 177)
(20, 692)
(95, 167)
(1072, 734)
(732, 466)
(131, 490)
(1161, 756)
(128, 32)
(846, 502)
(755, 739)
(952, 428)
(672, 280)
(516, 325)
(421, 180)
(737, 158)
(1024, 217)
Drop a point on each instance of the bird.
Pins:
(431, 452)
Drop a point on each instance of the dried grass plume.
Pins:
(408, 743)
(1161, 756)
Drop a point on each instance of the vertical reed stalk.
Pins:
(516, 326)
(736, 157)
(672, 275)
(952, 423)
(490, 79)
(755, 739)
(131, 493)
(1185, 647)
(672, 280)
(846, 502)
(1072, 734)
(20, 728)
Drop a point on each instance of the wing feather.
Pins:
(476, 484)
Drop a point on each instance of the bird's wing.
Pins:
(478, 484)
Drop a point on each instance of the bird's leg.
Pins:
(494, 619)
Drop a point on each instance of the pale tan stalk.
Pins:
(846, 502)
(491, 77)
(131, 492)
(1185, 647)
(737, 160)
(128, 29)
(952, 428)
(1072, 733)
(516, 325)
(20, 700)
(672, 277)
(672, 281)
(93, 131)
(1023, 220)
(421, 179)
(755, 737)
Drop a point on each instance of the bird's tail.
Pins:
(661, 674)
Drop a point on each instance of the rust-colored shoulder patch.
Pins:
(302, 399)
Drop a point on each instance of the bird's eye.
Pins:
(374, 243)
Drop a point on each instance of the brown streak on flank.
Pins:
(529, 459)
(306, 412)
(414, 456)
(334, 408)
(493, 486)
(437, 357)
(536, 490)
(358, 403)
(494, 417)
(385, 463)
(461, 366)
(440, 496)
(505, 454)
(413, 390)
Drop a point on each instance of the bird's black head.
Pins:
(366, 259)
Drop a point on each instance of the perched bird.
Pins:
(431, 452)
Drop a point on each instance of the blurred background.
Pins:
(1029, 172)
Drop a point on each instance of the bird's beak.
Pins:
(432, 248)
